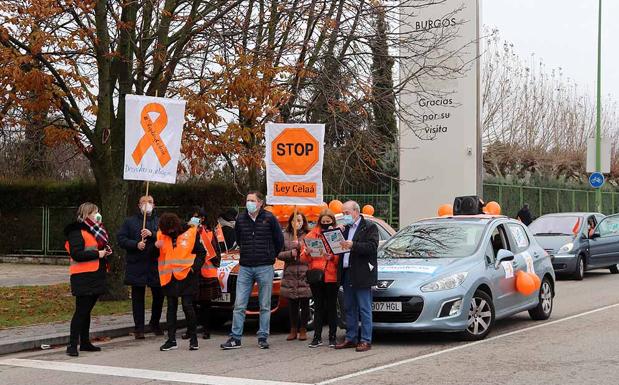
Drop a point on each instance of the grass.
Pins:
(28, 305)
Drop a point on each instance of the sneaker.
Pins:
(206, 336)
(232, 343)
(72, 351)
(185, 336)
(156, 329)
(262, 343)
(88, 347)
(332, 342)
(139, 335)
(316, 342)
(169, 345)
(193, 343)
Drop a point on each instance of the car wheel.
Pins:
(544, 307)
(480, 318)
(579, 274)
(614, 269)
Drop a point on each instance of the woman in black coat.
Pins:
(88, 246)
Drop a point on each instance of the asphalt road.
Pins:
(579, 344)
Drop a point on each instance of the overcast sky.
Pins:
(564, 34)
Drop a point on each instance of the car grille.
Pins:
(411, 309)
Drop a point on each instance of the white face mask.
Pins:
(147, 208)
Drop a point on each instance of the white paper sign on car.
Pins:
(223, 273)
(408, 268)
(509, 269)
(528, 260)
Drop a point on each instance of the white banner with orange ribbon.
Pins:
(153, 131)
(294, 157)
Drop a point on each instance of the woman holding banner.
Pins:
(294, 285)
(324, 284)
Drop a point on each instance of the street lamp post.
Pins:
(598, 122)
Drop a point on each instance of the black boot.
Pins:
(89, 347)
(72, 351)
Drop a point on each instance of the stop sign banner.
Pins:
(294, 156)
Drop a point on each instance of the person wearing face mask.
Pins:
(294, 284)
(324, 292)
(180, 255)
(140, 268)
(357, 273)
(88, 246)
(260, 239)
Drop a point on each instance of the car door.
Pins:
(604, 245)
(527, 258)
(503, 277)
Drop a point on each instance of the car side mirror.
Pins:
(595, 235)
(503, 256)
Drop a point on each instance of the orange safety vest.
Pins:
(209, 270)
(220, 234)
(90, 243)
(177, 260)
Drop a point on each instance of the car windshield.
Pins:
(434, 240)
(555, 225)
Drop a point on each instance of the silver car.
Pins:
(457, 274)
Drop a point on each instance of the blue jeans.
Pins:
(358, 305)
(263, 276)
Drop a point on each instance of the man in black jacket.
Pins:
(260, 239)
(141, 268)
(357, 273)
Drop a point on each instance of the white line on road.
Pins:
(138, 373)
(460, 347)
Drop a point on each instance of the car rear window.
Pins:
(434, 240)
(556, 225)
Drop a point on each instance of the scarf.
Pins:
(100, 234)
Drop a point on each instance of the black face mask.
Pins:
(325, 227)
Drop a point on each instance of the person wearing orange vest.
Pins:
(209, 287)
(180, 256)
(88, 246)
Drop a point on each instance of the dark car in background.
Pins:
(577, 243)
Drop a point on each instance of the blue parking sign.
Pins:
(596, 180)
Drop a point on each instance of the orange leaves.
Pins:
(57, 135)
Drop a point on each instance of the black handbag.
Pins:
(314, 276)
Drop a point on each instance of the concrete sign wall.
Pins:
(440, 146)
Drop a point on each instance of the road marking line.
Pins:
(460, 347)
(138, 373)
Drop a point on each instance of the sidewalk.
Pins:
(18, 339)
(17, 274)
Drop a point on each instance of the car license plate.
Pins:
(387, 306)
(225, 297)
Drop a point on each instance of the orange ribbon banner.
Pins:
(152, 132)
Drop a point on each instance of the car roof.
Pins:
(481, 218)
(571, 214)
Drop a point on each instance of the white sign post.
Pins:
(440, 137)
(153, 132)
(604, 155)
(294, 158)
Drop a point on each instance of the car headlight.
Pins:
(445, 283)
(278, 274)
(566, 248)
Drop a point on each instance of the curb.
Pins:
(32, 343)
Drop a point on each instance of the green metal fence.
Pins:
(546, 200)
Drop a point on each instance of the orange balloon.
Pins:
(324, 205)
(269, 209)
(336, 206)
(305, 210)
(445, 210)
(492, 208)
(368, 210)
(536, 280)
(524, 283)
(287, 210)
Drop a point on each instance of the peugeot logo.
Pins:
(384, 284)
